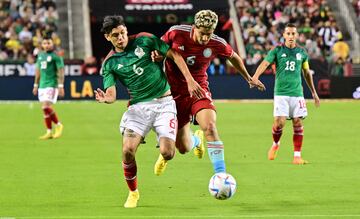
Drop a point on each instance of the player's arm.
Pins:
(310, 82)
(270, 58)
(59, 62)
(109, 96)
(61, 78)
(36, 81)
(239, 65)
(193, 87)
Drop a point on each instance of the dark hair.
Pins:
(111, 22)
(290, 25)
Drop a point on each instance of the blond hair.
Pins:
(206, 18)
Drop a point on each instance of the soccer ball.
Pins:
(222, 186)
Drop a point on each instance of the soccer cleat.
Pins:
(160, 165)
(299, 161)
(48, 135)
(132, 199)
(199, 150)
(273, 152)
(58, 131)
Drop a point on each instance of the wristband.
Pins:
(60, 86)
(36, 85)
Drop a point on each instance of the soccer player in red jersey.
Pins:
(198, 45)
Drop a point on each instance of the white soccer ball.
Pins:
(222, 186)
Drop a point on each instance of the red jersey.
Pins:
(196, 56)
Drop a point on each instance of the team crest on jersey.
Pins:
(298, 56)
(139, 52)
(207, 52)
(48, 59)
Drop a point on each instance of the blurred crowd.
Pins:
(262, 23)
(23, 23)
(356, 5)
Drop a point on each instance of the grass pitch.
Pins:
(80, 175)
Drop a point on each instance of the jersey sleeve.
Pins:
(305, 64)
(224, 50)
(270, 57)
(167, 37)
(37, 64)
(108, 77)
(160, 45)
(59, 62)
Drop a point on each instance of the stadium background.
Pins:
(251, 27)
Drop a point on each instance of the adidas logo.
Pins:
(283, 55)
(181, 48)
(119, 66)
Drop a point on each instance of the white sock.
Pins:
(297, 153)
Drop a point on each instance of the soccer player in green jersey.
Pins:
(289, 103)
(48, 85)
(151, 105)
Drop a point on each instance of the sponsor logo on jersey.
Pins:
(48, 58)
(119, 66)
(283, 55)
(181, 47)
(207, 52)
(139, 52)
(298, 56)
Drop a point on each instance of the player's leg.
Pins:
(134, 127)
(165, 125)
(46, 105)
(185, 139)
(207, 121)
(131, 140)
(297, 140)
(280, 113)
(59, 127)
(278, 125)
(167, 152)
(299, 111)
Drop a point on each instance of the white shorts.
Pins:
(290, 107)
(158, 114)
(48, 94)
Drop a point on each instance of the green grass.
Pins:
(80, 174)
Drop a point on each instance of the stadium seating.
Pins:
(23, 23)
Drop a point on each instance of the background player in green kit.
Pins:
(151, 105)
(289, 103)
(50, 74)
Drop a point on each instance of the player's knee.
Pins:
(168, 155)
(182, 148)
(210, 129)
(128, 151)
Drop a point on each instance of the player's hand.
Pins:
(99, 95)
(35, 91)
(61, 92)
(254, 82)
(316, 99)
(156, 57)
(195, 89)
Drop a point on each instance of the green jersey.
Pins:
(144, 79)
(49, 63)
(289, 64)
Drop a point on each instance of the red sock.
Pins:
(276, 133)
(298, 137)
(130, 170)
(52, 114)
(47, 118)
(54, 118)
